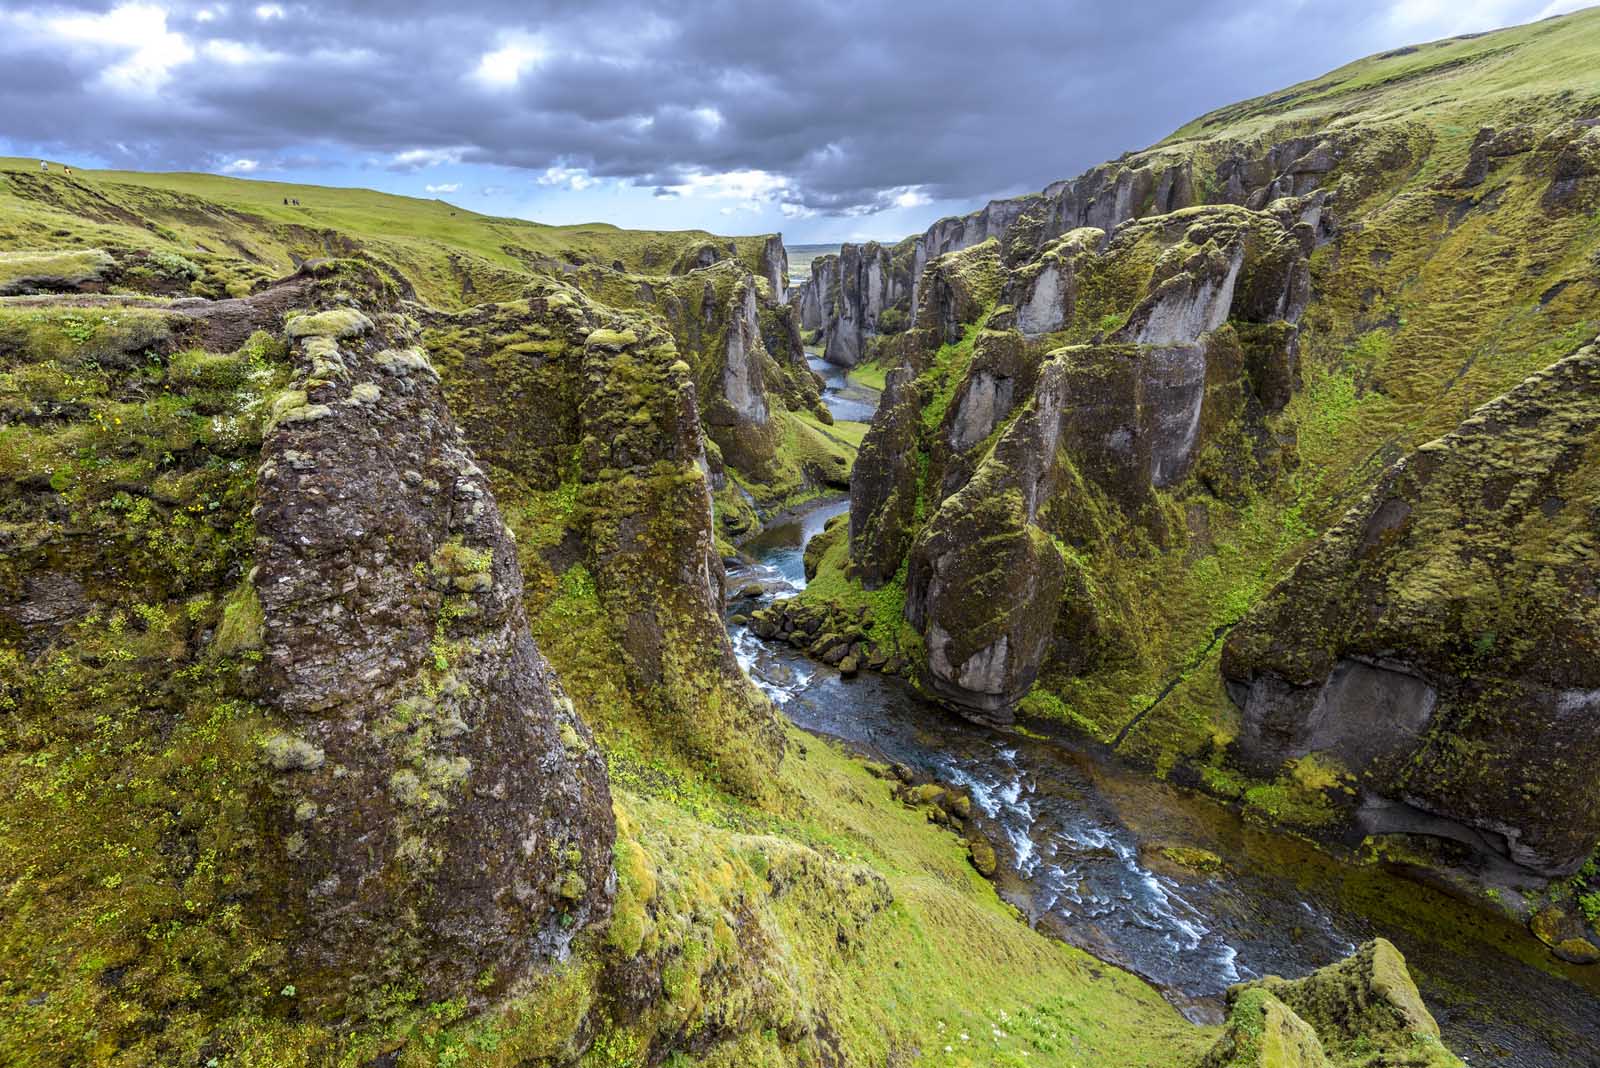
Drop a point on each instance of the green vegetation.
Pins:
(775, 903)
(870, 373)
(236, 232)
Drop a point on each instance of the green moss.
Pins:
(51, 269)
(612, 339)
(337, 323)
(240, 628)
(938, 383)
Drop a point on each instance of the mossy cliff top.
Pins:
(220, 236)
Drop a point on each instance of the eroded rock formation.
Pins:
(1112, 421)
(1442, 641)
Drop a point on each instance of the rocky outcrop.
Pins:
(990, 590)
(774, 267)
(872, 279)
(814, 298)
(1364, 1007)
(738, 416)
(883, 487)
(1441, 642)
(362, 773)
(1045, 291)
(617, 407)
(743, 350)
(1000, 377)
(438, 791)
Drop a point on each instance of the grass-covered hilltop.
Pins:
(365, 692)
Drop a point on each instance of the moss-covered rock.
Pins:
(1263, 1032)
(301, 734)
(52, 270)
(1364, 1003)
(1440, 641)
(593, 415)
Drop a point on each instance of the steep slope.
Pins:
(1135, 399)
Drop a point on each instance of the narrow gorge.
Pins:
(1147, 622)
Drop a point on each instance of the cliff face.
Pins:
(1441, 642)
(872, 280)
(269, 584)
(1147, 391)
(1115, 420)
(843, 302)
(419, 718)
(760, 404)
(619, 438)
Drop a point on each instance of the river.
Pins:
(1079, 840)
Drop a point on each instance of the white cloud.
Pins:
(575, 178)
(909, 196)
(415, 159)
(236, 53)
(447, 187)
(756, 190)
(1418, 18)
(149, 50)
(731, 185)
(504, 67)
(205, 14)
(710, 119)
(242, 166)
(267, 12)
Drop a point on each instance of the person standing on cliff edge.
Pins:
(44, 167)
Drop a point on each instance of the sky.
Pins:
(829, 121)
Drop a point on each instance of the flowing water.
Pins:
(846, 400)
(1079, 843)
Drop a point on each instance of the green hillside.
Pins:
(240, 231)
(1475, 78)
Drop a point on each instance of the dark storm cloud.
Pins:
(848, 103)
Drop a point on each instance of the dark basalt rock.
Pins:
(1448, 617)
(775, 268)
(444, 810)
(1123, 418)
(883, 486)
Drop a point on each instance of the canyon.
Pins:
(1150, 621)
